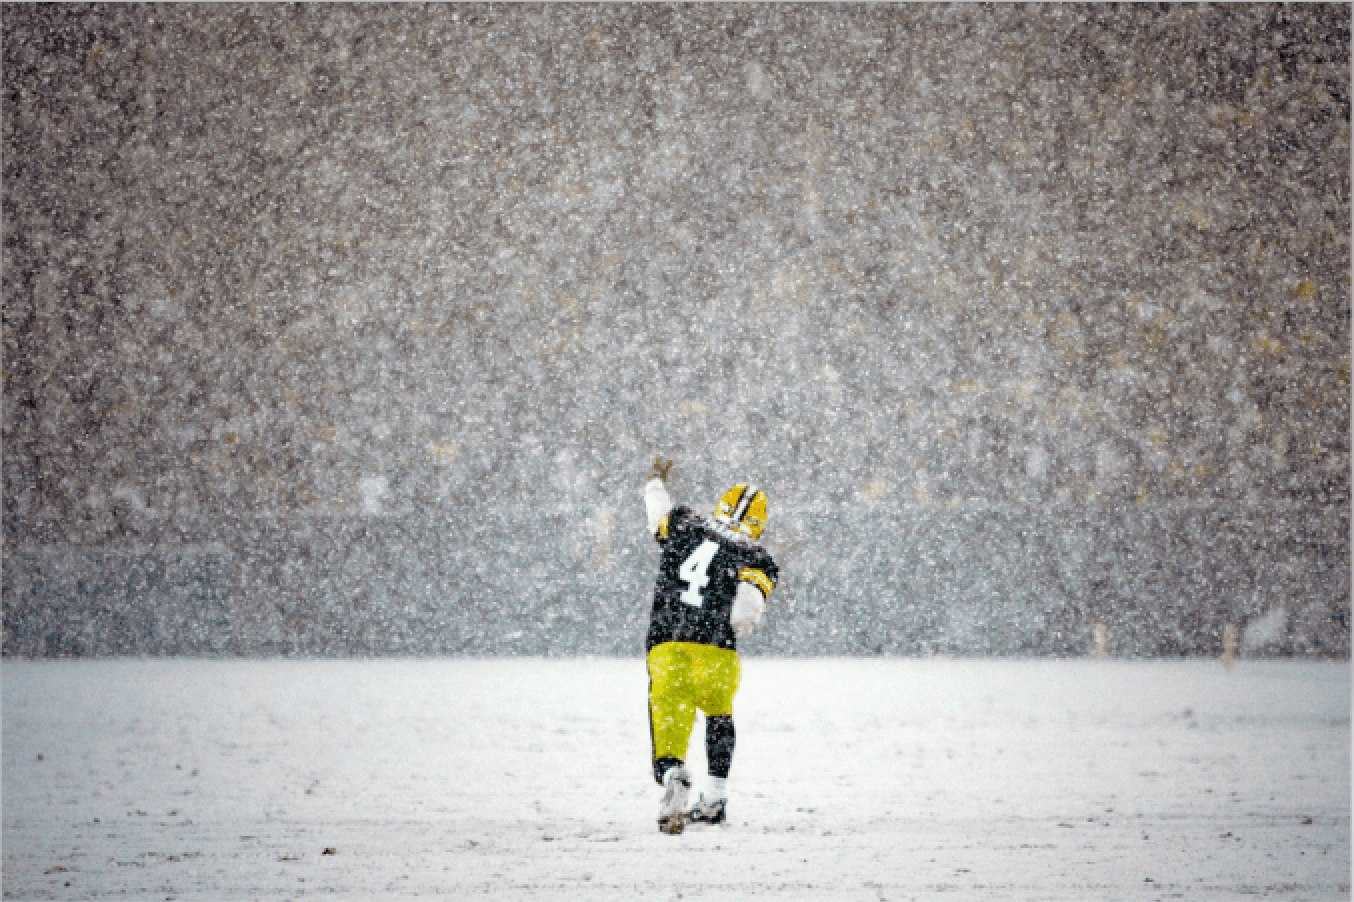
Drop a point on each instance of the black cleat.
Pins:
(708, 811)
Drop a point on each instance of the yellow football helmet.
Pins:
(743, 508)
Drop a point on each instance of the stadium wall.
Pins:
(856, 581)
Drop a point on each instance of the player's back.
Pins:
(703, 563)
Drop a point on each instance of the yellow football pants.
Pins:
(684, 677)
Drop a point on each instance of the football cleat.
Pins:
(672, 811)
(708, 811)
(743, 509)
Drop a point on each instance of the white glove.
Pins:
(748, 606)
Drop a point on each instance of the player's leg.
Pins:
(672, 710)
(718, 673)
(672, 713)
(719, 744)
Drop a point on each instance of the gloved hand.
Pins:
(743, 628)
(660, 469)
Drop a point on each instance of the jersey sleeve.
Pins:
(673, 519)
(761, 572)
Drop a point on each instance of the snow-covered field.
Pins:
(529, 779)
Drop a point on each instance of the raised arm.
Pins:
(656, 500)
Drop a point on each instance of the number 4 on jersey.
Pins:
(694, 571)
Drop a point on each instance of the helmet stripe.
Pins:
(748, 494)
(736, 503)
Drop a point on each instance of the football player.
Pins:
(713, 583)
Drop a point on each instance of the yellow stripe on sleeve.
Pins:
(663, 527)
(758, 579)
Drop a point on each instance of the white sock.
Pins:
(719, 787)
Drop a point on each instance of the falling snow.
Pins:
(351, 329)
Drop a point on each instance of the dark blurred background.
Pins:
(352, 329)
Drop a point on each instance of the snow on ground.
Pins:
(518, 779)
